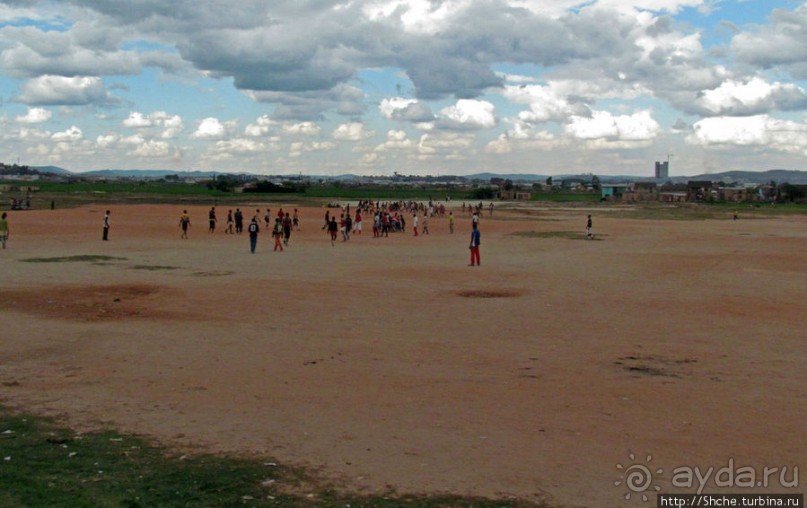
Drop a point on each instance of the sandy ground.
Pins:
(389, 364)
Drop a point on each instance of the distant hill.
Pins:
(55, 170)
(524, 177)
(776, 175)
(148, 173)
(739, 177)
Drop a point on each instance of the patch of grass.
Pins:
(84, 258)
(43, 465)
(567, 235)
(153, 268)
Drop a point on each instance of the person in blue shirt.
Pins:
(253, 229)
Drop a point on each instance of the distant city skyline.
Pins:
(422, 87)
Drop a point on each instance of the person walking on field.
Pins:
(357, 222)
(253, 230)
(184, 223)
(105, 236)
(239, 221)
(474, 246)
(4, 229)
(211, 217)
(295, 221)
(451, 222)
(415, 224)
(426, 224)
(333, 229)
(589, 234)
(277, 233)
(286, 229)
(229, 229)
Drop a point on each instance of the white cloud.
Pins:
(209, 128)
(303, 129)
(396, 140)
(137, 120)
(173, 125)
(603, 125)
(72, 134)
(752, 96)
(758, 130)
(35, 115)
(353, 131)
(153, 149)
(469, 113)
(260, 127)
(107, 141)
(74, 91)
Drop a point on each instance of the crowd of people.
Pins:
(387, 217)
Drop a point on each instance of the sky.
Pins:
(419, 87)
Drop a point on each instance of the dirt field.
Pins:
(389, 364)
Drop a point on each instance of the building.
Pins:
(662, 170)
(514, 194)
(613, 191)
(700, 190)
(641, 191)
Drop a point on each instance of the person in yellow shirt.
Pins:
(184, 223)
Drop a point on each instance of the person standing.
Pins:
(211, 218)
(239, 221)
(277, 234)
(286, 229)
(357, 222)
(589, 234)
(253, 230)
(415, 224)
(296, 221)
(184, 224)
(105, 235)
(426, 224)
(474, 246)
(229, 229)
(333, 228)
(4, 231)
(451, 222)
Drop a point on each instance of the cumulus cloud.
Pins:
(302, 129)
(751, 97)
(602, 125)
(209, 128)
(153, 149)
(469, 114)
(260, 127)
(353, 131)
(396, 140)
(781, 42)
(59, 90)
(171, 125)
(409, 110)
(758, 130)
(137, 120)
(72, 134)
(35, 115)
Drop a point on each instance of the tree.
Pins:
(595, 182)
(549, 181)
